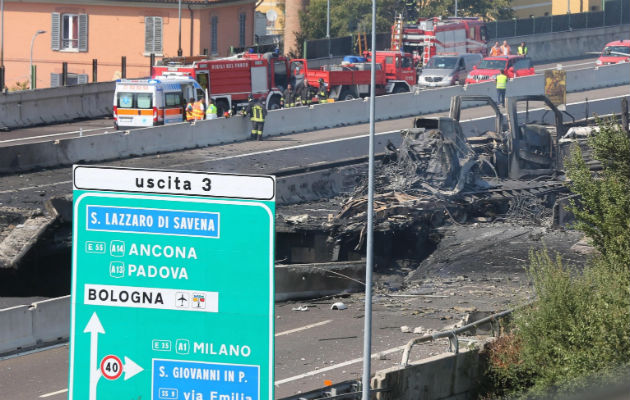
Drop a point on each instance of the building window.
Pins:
(71, 79)
(241, 30)
(214, 41)
(153, 36)
(69, 32)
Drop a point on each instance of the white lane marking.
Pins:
(53, 393)
(303, 328)
(34, 187)
(53, 135)
(564, 66)
(340, 365)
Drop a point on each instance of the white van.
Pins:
(151, 102)
(447, 70)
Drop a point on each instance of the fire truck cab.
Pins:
(229, 81)
(430, 36)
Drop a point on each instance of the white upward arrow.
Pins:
(94, 327)
(131, 368)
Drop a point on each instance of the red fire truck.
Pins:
(431, 36)
(395, 73)
(229, 81)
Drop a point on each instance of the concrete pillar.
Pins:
(292, 10)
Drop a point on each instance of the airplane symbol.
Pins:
(182, 300)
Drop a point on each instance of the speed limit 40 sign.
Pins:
(111, 367)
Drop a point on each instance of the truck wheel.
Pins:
(400, 89)
(346, 95)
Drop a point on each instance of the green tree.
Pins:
(603, 208)
(576, 332)
(352, 16)
(488, 9)
(347, 17)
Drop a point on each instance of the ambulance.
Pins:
(150, 102)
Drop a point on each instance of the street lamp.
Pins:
(31, 64)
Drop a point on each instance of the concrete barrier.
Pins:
(51, 320)
(311, 186)
(138, 142)
(549, 47)
(63, 104)
(446, 376)
(306, 281)
(16, 328)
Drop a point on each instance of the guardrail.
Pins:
(452, 334)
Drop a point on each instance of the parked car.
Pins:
(513, 66)
(615, 52)
(447, 70)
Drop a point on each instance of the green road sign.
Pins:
(172, 285)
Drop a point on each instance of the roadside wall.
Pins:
(446, 376)
(548, 47)
(138, 142)
(38, 324)
(46, 106)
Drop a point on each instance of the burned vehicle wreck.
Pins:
(441, 174)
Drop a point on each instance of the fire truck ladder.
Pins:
(397, 33)
(362, 42)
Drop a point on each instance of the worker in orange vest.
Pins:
(505, 48)
(189, 110)
(495, 50)
(199, 110)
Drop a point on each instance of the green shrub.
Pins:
(577, 330)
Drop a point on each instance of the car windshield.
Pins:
(492, 64)
(610, 50)
(442, 63)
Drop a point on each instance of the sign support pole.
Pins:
(367, 329)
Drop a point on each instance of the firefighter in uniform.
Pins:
(411, 11)
(307, 95)
(257, 113)
(322, 95)
(189, 110)
(288, 97)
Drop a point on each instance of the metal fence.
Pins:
(615, 13)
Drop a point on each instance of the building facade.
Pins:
(78, 32)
